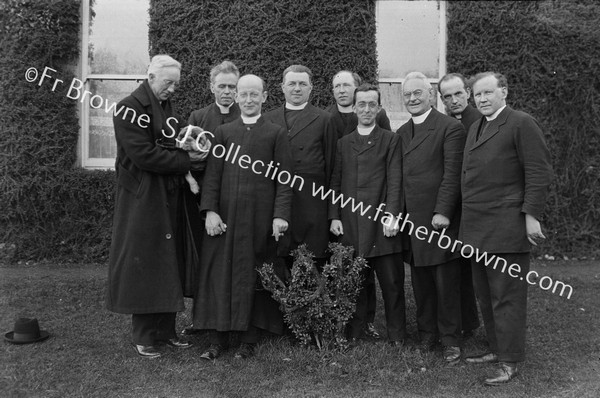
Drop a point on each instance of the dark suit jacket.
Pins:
(505, 174)
(469, 116)
(431, 181)
(344, 129)
(371, 174)
(210, 117)
(312, 140)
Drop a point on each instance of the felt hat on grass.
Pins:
(26, 331)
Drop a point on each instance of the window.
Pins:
(114, 60)
(411, 36)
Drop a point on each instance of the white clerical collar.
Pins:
(345, 109)
(250, 119)
(295, 107)
(421, 118)
(365, 130)
(224, 109)
(495, 114)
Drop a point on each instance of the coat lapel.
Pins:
(358, 148)
(418, 139)
(493, 129)
(306, 117)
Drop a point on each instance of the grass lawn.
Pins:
(89, 354)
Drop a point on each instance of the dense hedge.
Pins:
(550, 53)
(264, 37)
(48, 208)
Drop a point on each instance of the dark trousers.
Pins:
(468, 304)
(503, 303)
(371, 298)
(437, 296)
(390, 274)
(249, 336)
(147, 329)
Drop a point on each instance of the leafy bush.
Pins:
(318, 305)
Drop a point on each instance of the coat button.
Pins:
(168, 236)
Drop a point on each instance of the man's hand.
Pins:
(440, 221)
(196, 157)
(534, 230)
(279, 227)
(214, 224)
(390, 229)
(336, 227)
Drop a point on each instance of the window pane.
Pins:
(408, 38)
(119, 37)
(102, 142)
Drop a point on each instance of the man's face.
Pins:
(343, 88)
(366, 107)
(488, 96)
(250, 95)
(164, 82)
(224, 88)
(417, 96)
(454, 95)
(296, 87)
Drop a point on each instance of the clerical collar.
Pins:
(250, 120)
(345, 109)
(458, 116)
(495, 114)
(421, 118)
(365, 130)
(224, 109)
(295, 107)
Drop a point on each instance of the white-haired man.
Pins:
(146, 250)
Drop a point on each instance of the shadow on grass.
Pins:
(89, 352)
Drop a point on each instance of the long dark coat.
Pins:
(371, 174)
(312, 141)
(469, 116)
(344, 129)
(431, 181)
(247, 202)
(505, 174)
(144, 268)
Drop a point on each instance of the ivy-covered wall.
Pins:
(50, 209)
(550, 53)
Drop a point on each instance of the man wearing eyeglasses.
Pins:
(368, 168)
(432, 155)
(506, 173)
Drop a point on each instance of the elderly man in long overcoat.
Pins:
(368, 169)
(432, 155)
(146, 252)
(247, 212)
(506, 173)
(312, 140)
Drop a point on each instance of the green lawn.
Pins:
(89, 353)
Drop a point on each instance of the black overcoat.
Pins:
(247, 201)
(431, 182)
(505, 174)
(312, 141)
(371, 174)
(144, 260)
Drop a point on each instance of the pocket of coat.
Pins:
(128, 181)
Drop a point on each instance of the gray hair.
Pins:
(224, 67)
(418, 76)
(161, 61)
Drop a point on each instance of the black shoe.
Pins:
(189, 331)
(506, 372)
(246, 350)
(452, 354)
(146, 351)
(213, 352)
(487, 357)
(370, 331)
(176, 342)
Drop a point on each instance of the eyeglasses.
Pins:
(416, 93)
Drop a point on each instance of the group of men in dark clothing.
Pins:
(478, 177)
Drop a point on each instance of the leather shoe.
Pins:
(176, 342)
(189, 331)
(146, 351)
(506, 372)
(213, 352)
(452, 354)
(370, 331)
(487, 357)
(245, 351)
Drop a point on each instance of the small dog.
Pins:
(194, 138)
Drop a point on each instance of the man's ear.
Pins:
(468, 90)
(265, 95)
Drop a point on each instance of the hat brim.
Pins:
(10, 338)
